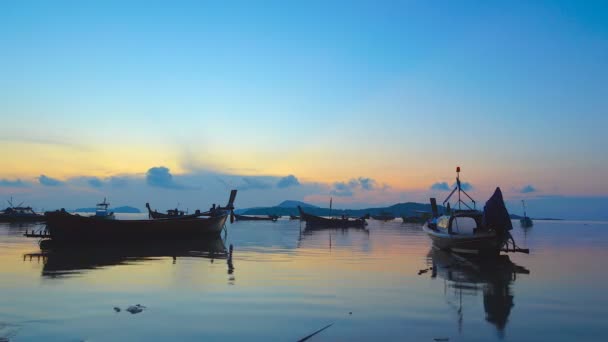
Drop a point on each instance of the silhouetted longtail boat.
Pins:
(384, 216)
(19, 214)
(470, 230)
(65, 227)
(179, 214)
(256, 218)
(313, 221)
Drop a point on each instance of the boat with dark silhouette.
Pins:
(313, 221)
(383, 216)
(171, 214)
(470, 230)
(64, 260)
(421, 217)
(102, 212)
(62, 226)
(19, 213)
(294, 217)
(525, 221)
(256, 218)
(470, 276)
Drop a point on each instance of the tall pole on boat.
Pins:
(523, 204)
(330, 200)
(458, 184)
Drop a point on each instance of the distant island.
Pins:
(120, 210)
(290, 207)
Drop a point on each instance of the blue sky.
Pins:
(396, 91)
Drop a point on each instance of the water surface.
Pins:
(284, 282)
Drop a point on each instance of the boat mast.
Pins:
(459, 189)
(523, 204)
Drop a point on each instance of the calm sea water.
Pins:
(284, 283)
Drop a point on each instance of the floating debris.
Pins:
(422, 271)
(135, 309)
(117, 309)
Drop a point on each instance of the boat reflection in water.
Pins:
(64, 260)
(471, 276)
(338, 237)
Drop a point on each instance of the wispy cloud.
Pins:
(440, 186)
(48, 181)
(347, 189)
(95, 182)
(342, 189)
(17, 183)
(251, 183)
(288, 181)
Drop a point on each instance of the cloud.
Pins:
(253, 183)
(118, 182)
(48, 181)
(288, 181)
(17, 183)
(528, 189)
(162, 178)
(95, 182)
(440, 186)
(367, 183)
(342, 189)
(466, 186)
(347, 189)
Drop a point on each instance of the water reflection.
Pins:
(63, 260)
(469, 277)
(332, 236)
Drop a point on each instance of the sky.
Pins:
(368, 102)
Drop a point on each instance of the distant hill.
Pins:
(287, 208)
(295, 204)
(120, 210)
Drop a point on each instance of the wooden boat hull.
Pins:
(482, 243)
(318, 222)
(413, 219)
(253, 218)
(66, 227)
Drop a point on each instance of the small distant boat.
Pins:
(18, 213)
(294, 217)
(470, 230)
(101, 212)
(313, 221)
(65, 227)
(383, 216)
(256, 218)
(525, 221)
(421, 217)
